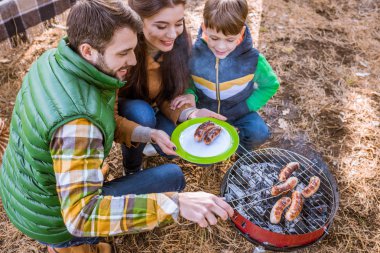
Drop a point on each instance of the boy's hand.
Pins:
(203, 208)
(163, 141)
(179, 101)
(200, 113)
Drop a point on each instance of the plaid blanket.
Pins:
(16, 16)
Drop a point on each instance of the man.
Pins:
(62, 128)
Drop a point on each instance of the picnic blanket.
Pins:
(16, 16)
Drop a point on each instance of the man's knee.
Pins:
(174, 176)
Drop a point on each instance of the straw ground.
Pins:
(326, 54)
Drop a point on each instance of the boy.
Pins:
(229, 76)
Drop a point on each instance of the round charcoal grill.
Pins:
(247, 188)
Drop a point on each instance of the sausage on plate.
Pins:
(288, 170)
(296, 206)
(201, 130)
(285, 186)
(312, 188)
(278, 209)
(211, 134)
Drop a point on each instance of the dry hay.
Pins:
(326, 54)
(4, 136)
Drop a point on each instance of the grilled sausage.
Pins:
(284, 187)
(200, 132)
(296, 206)
(211, 134)
(288, 170)
(278, 209)
(312, 188)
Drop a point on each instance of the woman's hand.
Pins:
(200, 113)
(162, 139)
(179, 101)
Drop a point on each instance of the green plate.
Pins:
(198, 152)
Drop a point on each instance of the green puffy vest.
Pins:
(60, 87)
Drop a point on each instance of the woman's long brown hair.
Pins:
(174, 67)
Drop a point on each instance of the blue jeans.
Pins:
(253, 131)
(143, 114)
(164, 178)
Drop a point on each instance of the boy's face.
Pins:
(222, 45)
(119, 54)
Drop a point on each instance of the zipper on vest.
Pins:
(217, 83)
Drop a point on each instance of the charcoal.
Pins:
(276, 228)
(246, 171)
(229, 197)
(268, 182)
(290, 227)
(260, 210)
(242, 212)
(317, 196)
(300, 186)
(318, 222)
(236, 190)
(301, 227)
(259, 223)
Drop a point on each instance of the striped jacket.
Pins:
(242, 82)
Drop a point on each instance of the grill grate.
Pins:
(253, 175)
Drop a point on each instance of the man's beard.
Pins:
(103, 67)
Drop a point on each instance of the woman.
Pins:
(160, 75)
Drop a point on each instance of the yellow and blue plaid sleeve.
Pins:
(78, 153)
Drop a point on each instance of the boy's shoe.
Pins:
(149, 150)
(101, 247)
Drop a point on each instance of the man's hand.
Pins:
(203, 208)
(163, 141)
(179, 101)
(199, 113)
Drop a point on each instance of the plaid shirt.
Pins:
(78, 153)
(16, 16)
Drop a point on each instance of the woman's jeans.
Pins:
(143, 114)
(253, 131)
(164, 178)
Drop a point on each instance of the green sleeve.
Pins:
(192, 90)
(267, 85)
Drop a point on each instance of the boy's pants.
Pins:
(253, 131)
(164, 178)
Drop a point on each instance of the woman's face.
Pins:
(161, 29)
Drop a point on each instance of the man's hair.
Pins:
(227, 16)
(95, 22)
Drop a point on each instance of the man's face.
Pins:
(161, 29)
(119, 54)
(222, 45)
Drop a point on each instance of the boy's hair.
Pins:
(227, 16)
(95, 22)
